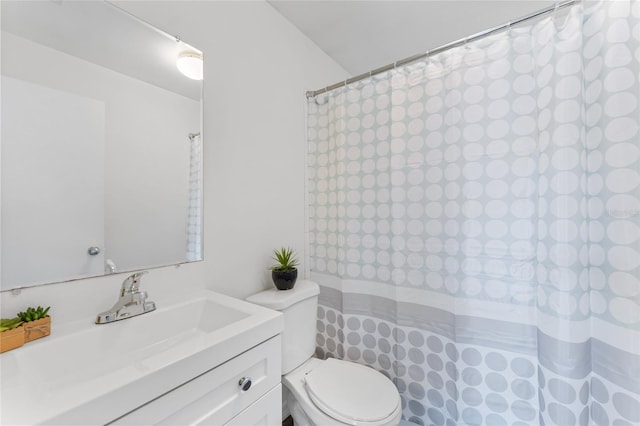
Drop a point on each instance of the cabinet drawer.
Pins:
(264, 412)
(215, 397)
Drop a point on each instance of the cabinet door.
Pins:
(215, 397)
(264, 412)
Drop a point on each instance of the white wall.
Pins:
(257, 68)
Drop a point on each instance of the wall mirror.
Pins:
(100, 149)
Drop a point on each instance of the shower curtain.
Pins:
(475, 224)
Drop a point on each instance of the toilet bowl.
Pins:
(327, 392)
(336, 393)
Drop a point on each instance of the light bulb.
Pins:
(190, 64)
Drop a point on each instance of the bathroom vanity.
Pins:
(206, 359)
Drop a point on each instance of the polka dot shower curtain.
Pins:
(475, 224)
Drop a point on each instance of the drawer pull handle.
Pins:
(245, 383)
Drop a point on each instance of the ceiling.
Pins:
(360, 35)
(365, 35)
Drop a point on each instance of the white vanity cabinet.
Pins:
(217, 397)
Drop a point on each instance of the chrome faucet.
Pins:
(132, 301)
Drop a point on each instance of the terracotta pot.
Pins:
(11, 339)
(284, 280)
(36, 329)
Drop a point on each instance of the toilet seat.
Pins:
(351, 393)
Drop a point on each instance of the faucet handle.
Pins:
(132, 283)
(140, 296)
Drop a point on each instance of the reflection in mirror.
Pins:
(101, 145)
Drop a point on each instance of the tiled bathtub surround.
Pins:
(475, 224)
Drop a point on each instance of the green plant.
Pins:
(9, 323)
(286, 259)
(32, 314)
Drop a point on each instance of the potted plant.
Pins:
(11, 335)
(37, 323)
(284, 273)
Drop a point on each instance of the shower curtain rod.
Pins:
(462, 41)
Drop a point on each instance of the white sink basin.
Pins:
(103, 371)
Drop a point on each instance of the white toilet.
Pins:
(325, 392)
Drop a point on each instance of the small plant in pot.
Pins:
(284, 273)
(36, 323)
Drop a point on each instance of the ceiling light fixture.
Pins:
(190, 64)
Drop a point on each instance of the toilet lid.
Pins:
(351, 392)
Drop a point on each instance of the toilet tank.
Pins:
(299, 307)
